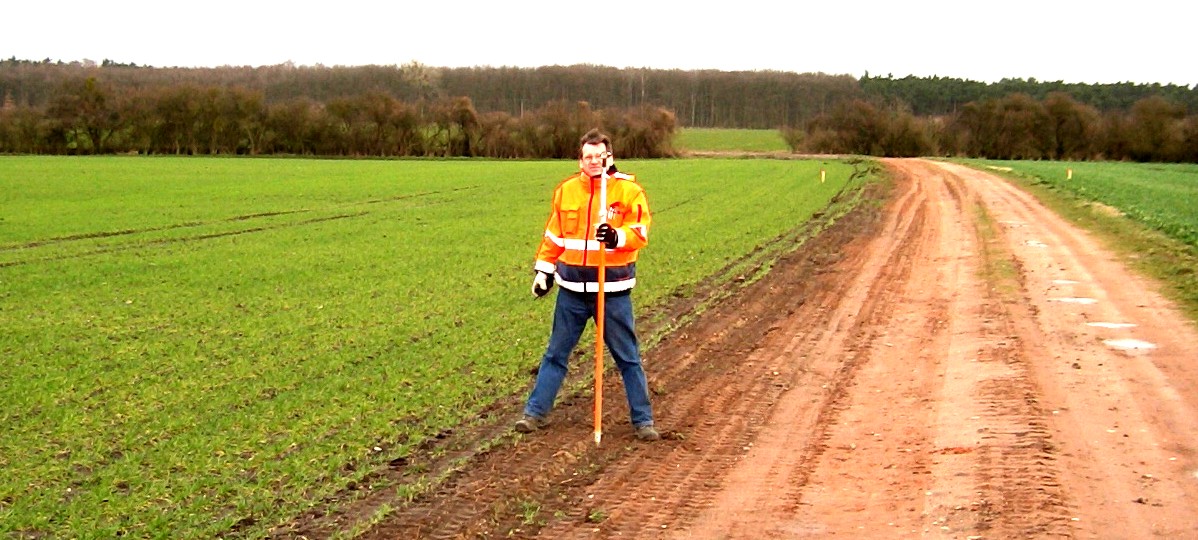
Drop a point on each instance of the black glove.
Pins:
(541, 284)
(607, 234)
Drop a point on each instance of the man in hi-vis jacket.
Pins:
(568, 256)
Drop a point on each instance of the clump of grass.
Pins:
(597, 515)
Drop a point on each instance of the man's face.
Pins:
(594, 156)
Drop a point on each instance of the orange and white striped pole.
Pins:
(600, 314)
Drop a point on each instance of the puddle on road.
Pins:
(1110, 324)
(1075, 300)
(1128, 344)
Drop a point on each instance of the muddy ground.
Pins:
(958, 363)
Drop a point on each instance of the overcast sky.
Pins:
(1147, 41)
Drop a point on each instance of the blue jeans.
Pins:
(570, 317)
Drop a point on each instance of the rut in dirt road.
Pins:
(984, 403)
(987, 405)
(886, 455)
(1125, 421)
(943, 368)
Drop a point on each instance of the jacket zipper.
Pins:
(586, 234)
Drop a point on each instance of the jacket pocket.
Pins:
(570, 221)
(615, 214)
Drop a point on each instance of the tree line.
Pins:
(699, 98)
(1015, 126)
(89, 116)
(934, 96)
(707, 98)
(413, 109)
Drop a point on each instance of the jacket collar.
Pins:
(591, 184)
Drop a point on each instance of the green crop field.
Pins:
(1163, 196)
(200, 347)
(730, 140)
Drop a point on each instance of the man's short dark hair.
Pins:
(594, 136)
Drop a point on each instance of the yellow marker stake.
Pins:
(821, 176)
(1069, 174)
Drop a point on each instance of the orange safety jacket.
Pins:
(569, 249)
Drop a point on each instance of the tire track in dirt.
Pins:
(828, 345)
(168, 241)
(872, 480)
(896, 458)
(993, 469)
(28, 252)
(1123, 422)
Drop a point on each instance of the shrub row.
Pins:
(1016, 126)
(89, 117)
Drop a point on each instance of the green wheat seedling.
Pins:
(201, 347)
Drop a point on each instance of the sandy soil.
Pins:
(960, 363)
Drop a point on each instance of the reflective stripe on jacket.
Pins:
(569, 248)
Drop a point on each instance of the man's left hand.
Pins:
(607, 234)
(541, 284)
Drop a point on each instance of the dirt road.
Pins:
(959, 364)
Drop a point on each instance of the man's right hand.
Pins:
(541, 284)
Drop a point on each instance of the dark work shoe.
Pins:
(530, 423)
(647, 433)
